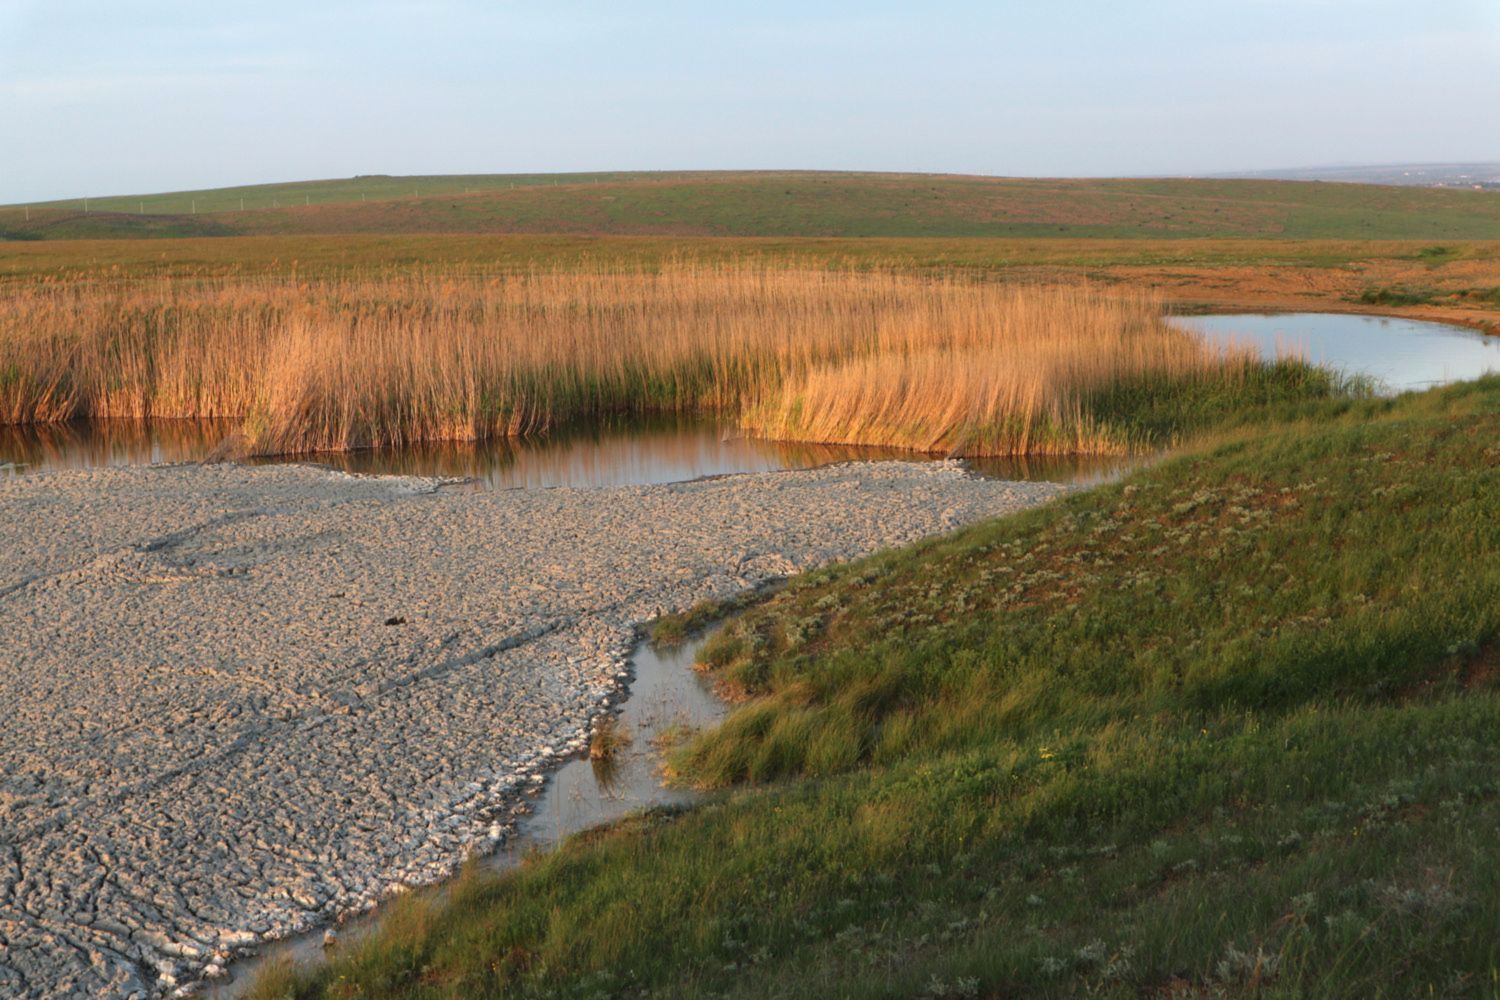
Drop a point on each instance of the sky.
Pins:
(122, 96)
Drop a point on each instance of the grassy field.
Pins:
(1229, 727)
(336, 191)
(780, 204)
(834, 357)
(324, 255)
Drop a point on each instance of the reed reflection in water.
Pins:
(632, 452)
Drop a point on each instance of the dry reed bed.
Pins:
(399, 357)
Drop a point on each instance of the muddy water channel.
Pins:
(667, 696)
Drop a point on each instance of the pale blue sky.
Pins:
(147, 95)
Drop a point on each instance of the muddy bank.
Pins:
(242, 701)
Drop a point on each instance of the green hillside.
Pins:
(777, 204)
(1228, 728)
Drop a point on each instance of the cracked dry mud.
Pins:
(212, 737)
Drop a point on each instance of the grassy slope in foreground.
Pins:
(749, 203)
(1230, 726)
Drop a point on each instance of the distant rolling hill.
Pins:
(766, 203)
(1459, 175)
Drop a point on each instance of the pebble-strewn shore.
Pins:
(238, 702)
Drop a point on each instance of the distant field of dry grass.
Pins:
(423, 354)
(1455, 282)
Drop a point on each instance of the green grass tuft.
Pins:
(1399, 296)
(673, 628)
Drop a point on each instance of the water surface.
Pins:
(629, 453)
(1402, 354)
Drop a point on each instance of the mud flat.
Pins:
(240, 702)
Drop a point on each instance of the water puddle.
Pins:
(1403, 354)
(665, 694)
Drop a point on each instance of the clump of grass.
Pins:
(670, 629)
(276, 979)
(403, 356)
(608, 739)
(607, 742)
(1485, 296)
(1387, 296)
(673, 628)
(673, 735)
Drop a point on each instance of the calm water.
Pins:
(665, 693)
(1402, 354)
(658, 451)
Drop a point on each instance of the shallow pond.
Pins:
(1403, 354)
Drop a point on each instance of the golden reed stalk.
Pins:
(421, 355)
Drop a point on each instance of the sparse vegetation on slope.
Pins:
(1230, 727)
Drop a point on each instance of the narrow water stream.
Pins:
(665, 694)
